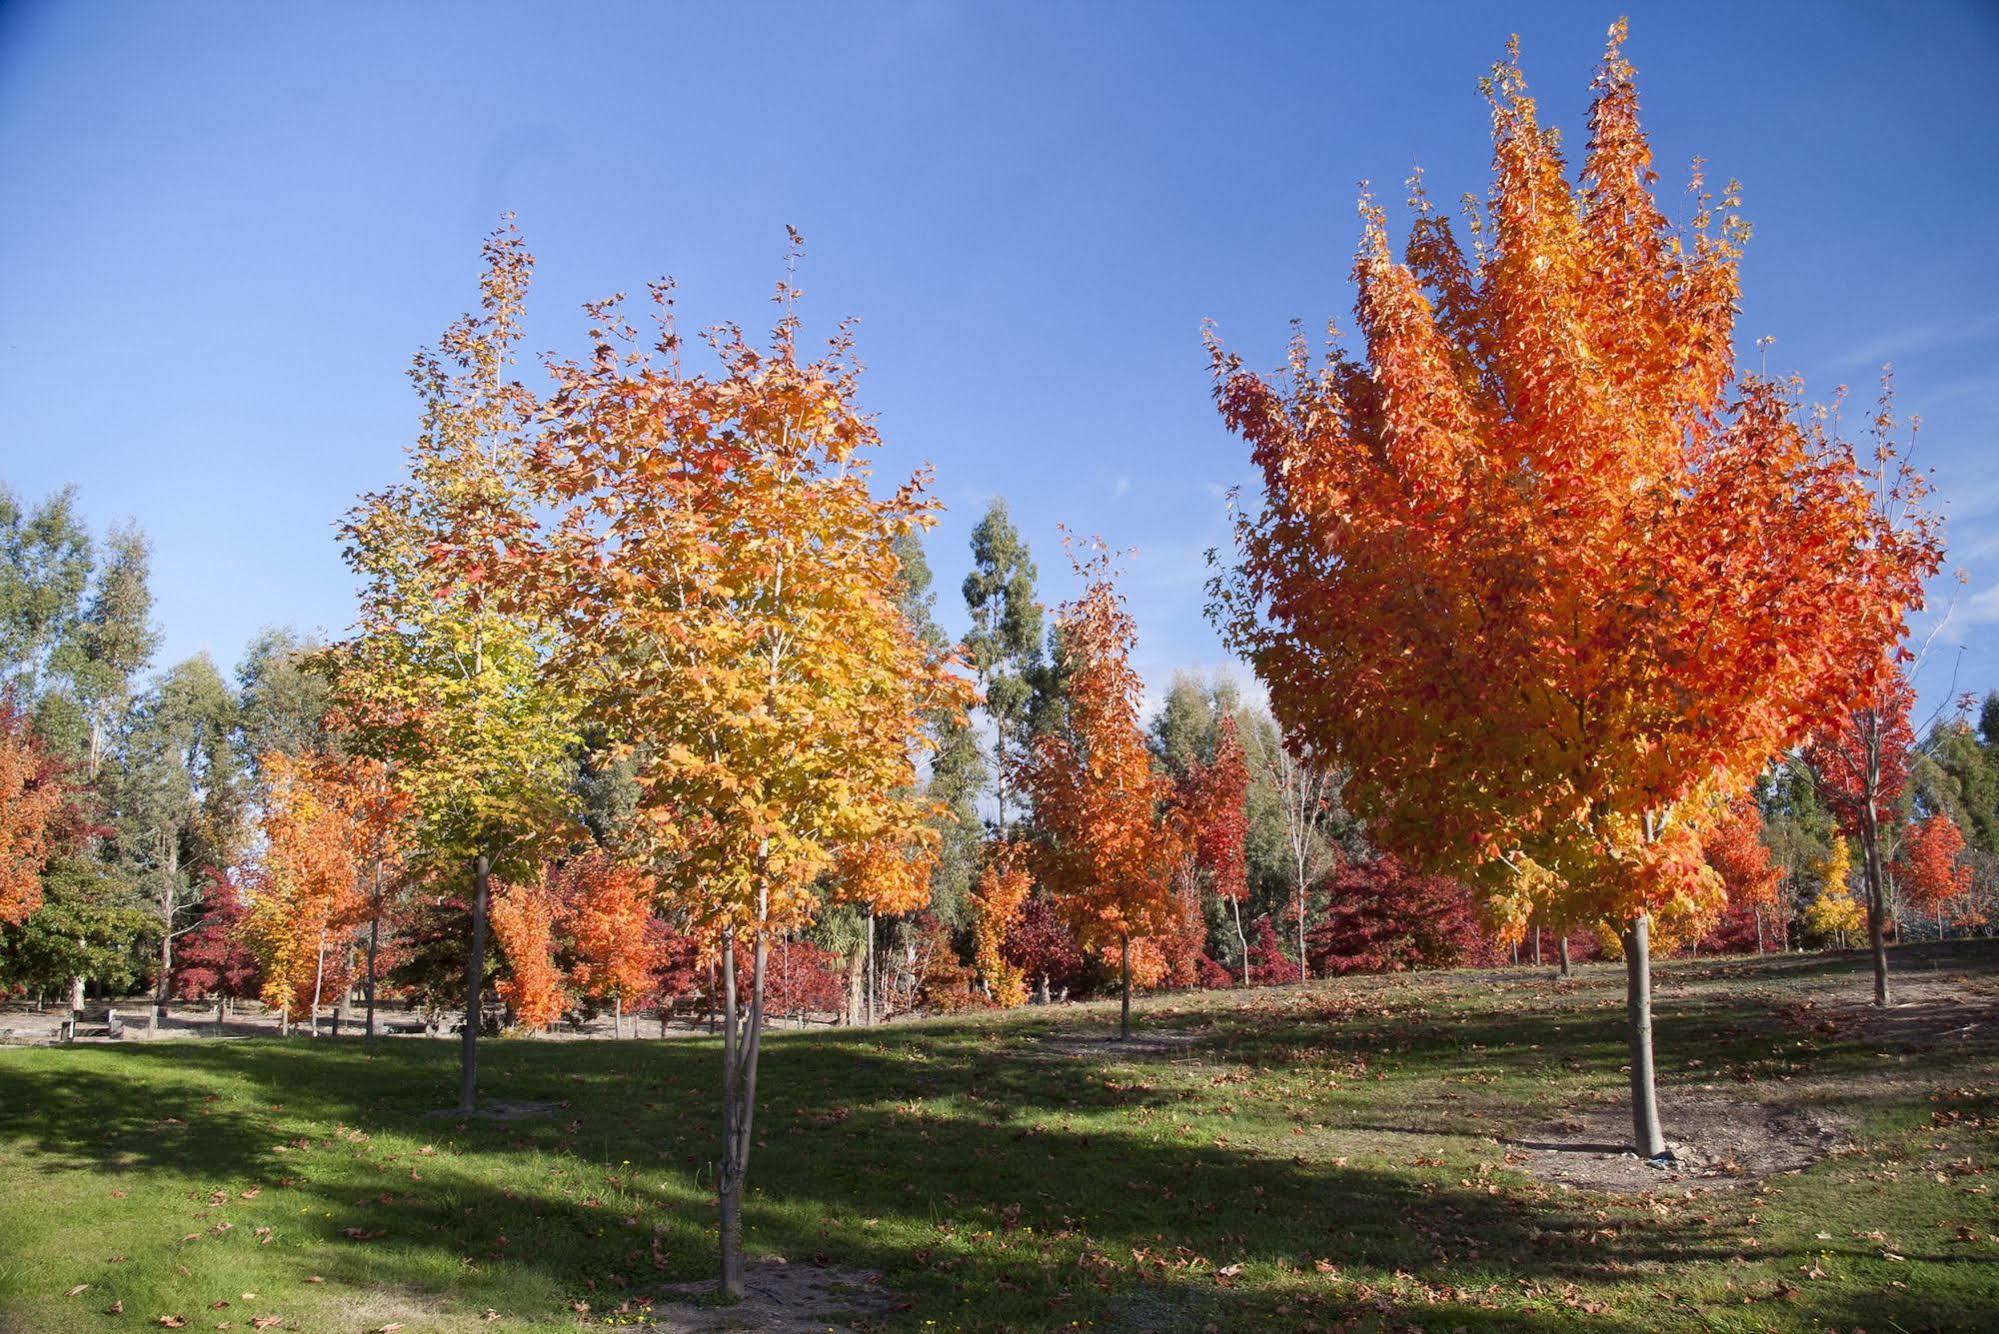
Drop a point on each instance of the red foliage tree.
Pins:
(212, 961)
(1269, 965)
(1044, 949)
(1736, 850)
(1214, 799)
(1384, 916)
(1928, 867)
(1862, 764)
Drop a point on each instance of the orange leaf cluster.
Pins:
(1111, 850)
(997, 900)
(1734, 847)
(727, 581)
(33, 797)
(302, 893)
(1928, 867)
(1539, 569)
(608, 906)
(524, 921)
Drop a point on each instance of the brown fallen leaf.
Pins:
(251, 1193)
(389, 1328)
(78, 1288)
(314, 1278)
(265, 1321)
(173, 1322)
(116, 1308)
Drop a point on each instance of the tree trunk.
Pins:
(1646, 1136)
(374, 942)
(1124, 969)
(1242, 941)
(475, 985)
(1302, 973)
(1564, 950)
(871, 968)
(742, 1036)
(318, 977)
(1877, 908)
(75, 995)
(1757, 913)
(1537, 946)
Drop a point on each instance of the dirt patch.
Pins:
(1144, 1044)
(1716, 1141)
(502, 1109)
(1921, 1013)
(778, 1297)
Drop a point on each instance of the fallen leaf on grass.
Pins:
(173, 1322)
(265, 1321)
(116, 1308)
(314, 1278)
(389, 1328)
(78, 1288)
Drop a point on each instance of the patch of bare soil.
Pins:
(1143, 1044)
(778, 1297)
(1920, 1012)
(502, 1109)
(1716, 1141)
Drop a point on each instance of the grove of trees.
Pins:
(1566, 626)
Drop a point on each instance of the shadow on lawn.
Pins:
(952, 1142)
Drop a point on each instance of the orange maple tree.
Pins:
(1860, 760)
(1928, 866)
(609, 907)
(1734, 847)
(1540, 569)
(525, 918)
(728, 584)
(1110, 846)
(33, 798)
(302, 893)
(997, 900)
(378, 812)
(1213, 799)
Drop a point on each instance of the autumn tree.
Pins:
(727, 579)
(1734, 847)
(1929, 866)
(608, 906)
(1545, 575)
(302, 892)
(525, 921)
(378, 812)
(33, 798)
(1213, 797)
(997, 900)
(446, 678)
(1861, 762)
(1110, 848)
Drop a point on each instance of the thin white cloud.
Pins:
(1918, 338)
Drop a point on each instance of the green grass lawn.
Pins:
(1315, 1158)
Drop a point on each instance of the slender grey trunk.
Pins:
(1563, 950)
(374, 943)
(1646, 1135)
(1537, 945)
(870, 966)
(1242, 942)
(1757, 912)
(318, 978)
(1877, 907)
(742, 1038)
(475, 985)
(1124, 968)
(1303, 973)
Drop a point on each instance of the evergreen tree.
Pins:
(1004, 645)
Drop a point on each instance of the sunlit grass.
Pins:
(1308, 1158)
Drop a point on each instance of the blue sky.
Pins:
(228, 227)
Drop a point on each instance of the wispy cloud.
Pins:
(1981, 608)
(1918, 338)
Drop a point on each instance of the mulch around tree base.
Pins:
(778, 1297)
(1717, 1140)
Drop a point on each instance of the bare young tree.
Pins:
(1308, 793)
